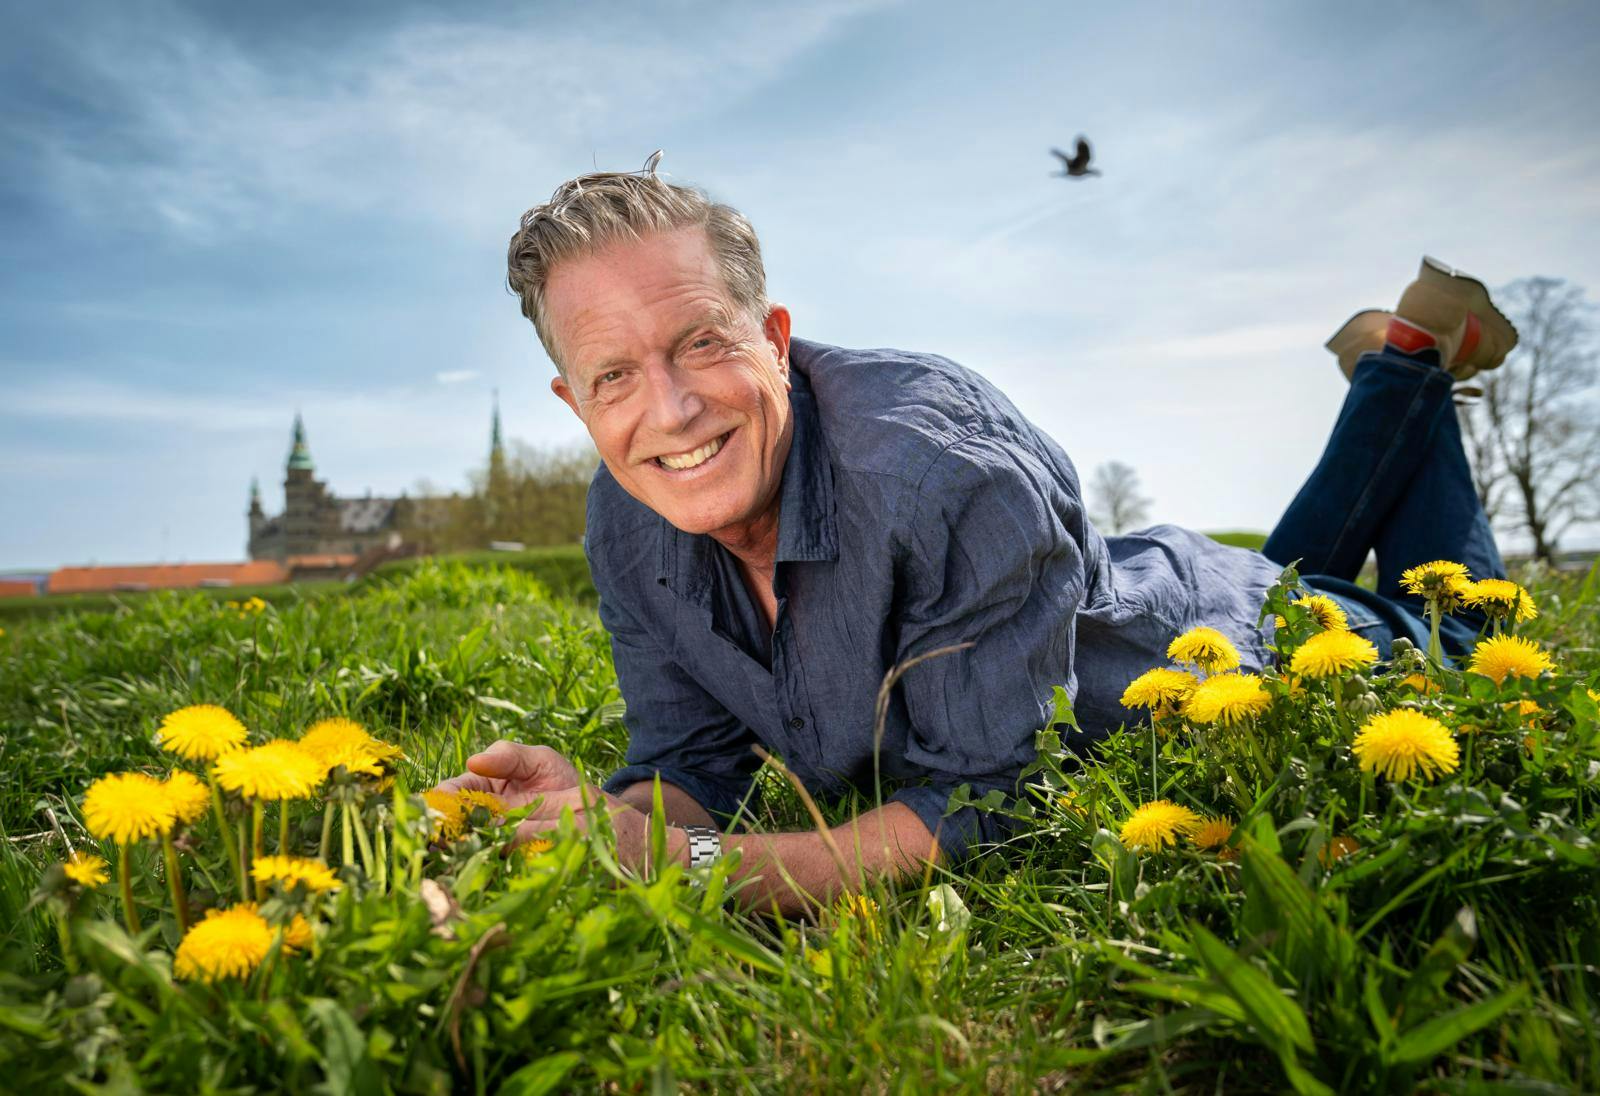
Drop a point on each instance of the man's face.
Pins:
(685, 396)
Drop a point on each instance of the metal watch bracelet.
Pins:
(705, 845)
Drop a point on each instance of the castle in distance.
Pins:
(315, 522)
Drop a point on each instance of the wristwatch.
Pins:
(705, 845)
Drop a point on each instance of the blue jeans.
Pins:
(1394, 479)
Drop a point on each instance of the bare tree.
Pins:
(1534, 439)
(1114, 499)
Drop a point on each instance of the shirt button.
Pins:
(797, 724)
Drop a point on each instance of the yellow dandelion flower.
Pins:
(449, 816)
(252, 605)
(1328, 654)
(1159, 688)
(280, 769)
(1501, 598)
(1069, 803)
(1530, 711)
(1441, 582)
(227, 944)
(471, 797)
(201, 732)
(335, 742)
(1158, 823)
(1213, 833)
(1207, 648)
(1419, 683)
(863, 910)
(1509, 656)
(531, 848)
(1328, 614)
(1228, 699)
(294, 871)
(297, 933)
(189, 795)
(128, 807)
(1338, 848)
(1403, 742)
(86, 869)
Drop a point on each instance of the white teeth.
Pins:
(694, 459)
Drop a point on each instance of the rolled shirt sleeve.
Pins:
(996, 561)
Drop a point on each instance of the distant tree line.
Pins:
(532, 495)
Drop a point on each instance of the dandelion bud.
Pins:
(1364, 705)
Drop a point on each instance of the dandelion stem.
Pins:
(258, 841)
(226, 830)
(327, 831)
(180, 905)
(1435, 648)
(244, 854)
(363, 842)
(283, 827)
(347, 848)
(64, 934)
(130, 916)
(380, 854)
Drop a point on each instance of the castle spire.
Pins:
(255, 493)
(299, 451)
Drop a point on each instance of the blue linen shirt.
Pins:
(919, 509)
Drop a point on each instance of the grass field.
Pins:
(1351, 932)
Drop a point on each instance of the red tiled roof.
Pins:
(166, 576)
(18, 589)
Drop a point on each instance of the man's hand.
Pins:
(632, 828)
(518, 774)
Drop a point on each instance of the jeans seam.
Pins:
(1383, 464)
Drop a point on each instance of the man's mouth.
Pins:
(694, 458)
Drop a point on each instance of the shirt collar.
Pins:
(806, 527)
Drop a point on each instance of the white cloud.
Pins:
(456, 376)
(449, 122)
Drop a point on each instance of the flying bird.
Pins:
(1075, 166)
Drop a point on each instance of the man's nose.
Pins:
(673, 402)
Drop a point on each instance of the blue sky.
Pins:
(215, 215)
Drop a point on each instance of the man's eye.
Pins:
(608, 377)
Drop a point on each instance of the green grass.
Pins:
(1065, 962)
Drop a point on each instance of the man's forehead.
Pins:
(602, 304)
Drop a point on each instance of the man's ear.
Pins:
(559, 385)
(776, 329)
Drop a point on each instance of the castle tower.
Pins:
(256, 516)
(302, 495)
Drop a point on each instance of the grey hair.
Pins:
(586, 214)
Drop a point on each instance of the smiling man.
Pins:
(777, 524)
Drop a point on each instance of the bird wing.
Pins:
(1081, 160)
(1065, 159)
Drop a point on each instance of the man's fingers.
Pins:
(532, 828)
(515, 763)
(468, 782)
(550, 803)
(505, 761)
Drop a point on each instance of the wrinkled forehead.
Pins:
(632, 295)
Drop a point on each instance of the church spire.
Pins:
(300, 452)
(496, 445)
(255, 494)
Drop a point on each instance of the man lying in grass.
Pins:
(778, 523)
